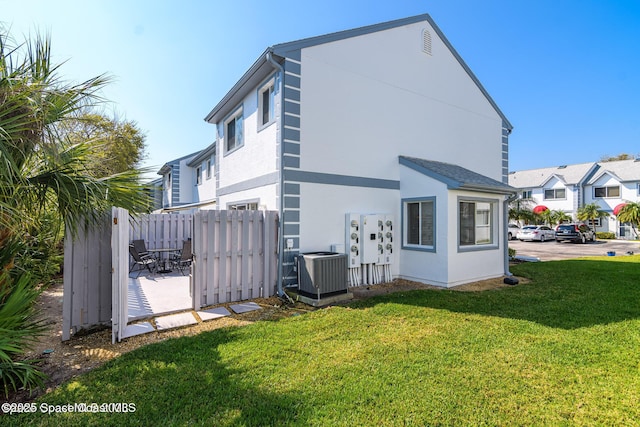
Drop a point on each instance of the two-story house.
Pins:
(188, 183)
(569, 187)
(379, 141)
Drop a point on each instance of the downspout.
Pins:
(280, 68)
(505, 215)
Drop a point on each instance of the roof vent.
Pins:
(426, 41)
(562, 167)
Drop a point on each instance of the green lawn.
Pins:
(561, 350)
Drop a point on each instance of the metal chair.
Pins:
(183, 261)
(143, 261)
(141, 248)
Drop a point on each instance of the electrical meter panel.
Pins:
(388, 238)
(369, 238)
(352, 239)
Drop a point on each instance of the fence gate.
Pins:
(235, 256)
(120, 272)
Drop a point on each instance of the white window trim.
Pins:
(494, 222)
(405, 224)
(234, 116)
(270, 86)
(209, 166)
(555, 190)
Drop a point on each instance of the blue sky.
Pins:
(566, 73)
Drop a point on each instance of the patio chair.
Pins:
(183, 261)
(141, 248)
(143, 262)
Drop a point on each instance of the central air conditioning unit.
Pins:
(322, 274)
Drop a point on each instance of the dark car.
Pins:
(574, 233)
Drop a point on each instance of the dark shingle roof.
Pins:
(456, 177)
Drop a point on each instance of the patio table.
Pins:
(161, 253)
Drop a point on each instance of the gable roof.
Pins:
(569, 174)
(262, 67)
(202, 155)
(167, 166)
(622, 170)
(456, 177)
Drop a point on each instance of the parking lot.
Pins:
(552, 250)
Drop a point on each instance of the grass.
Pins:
(561, 350)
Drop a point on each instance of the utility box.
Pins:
(322, 274)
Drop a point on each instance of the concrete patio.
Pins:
(166, 299)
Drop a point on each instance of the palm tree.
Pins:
(520, 211)
(558, 217)
(631, 213)
(590, 212)
(42, 172)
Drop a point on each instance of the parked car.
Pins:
(536, 232)
(512, 231)
(574, 233)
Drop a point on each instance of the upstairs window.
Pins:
(266, 100)
(199, 175)
(604, 192)
(209, 169)
(234, 132)
(555, 194)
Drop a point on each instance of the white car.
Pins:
(536, 232)
(512, 231)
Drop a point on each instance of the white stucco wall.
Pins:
(421, 266)
(485, 262)
(265, 196)
(368, 99)
(207, 188)
(323, 209)
(258, 155)
(566, 204)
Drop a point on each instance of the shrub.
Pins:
(20, 328)
(512, 252)
(605, 235)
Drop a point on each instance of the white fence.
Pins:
(161, 230)
(235, 259)
(235, 255)
(86, 300)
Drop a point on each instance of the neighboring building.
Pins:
(184, 183)
(568, 187)
(379, 141)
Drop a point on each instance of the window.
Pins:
(244, 207)
(266, 100)
(234, 132)
(209, 169)
(419, 223)
(639, 189)
(595, 222)
(476, 223)
(199, 175)
(606, 191)
(526, 194)
(555, 193)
